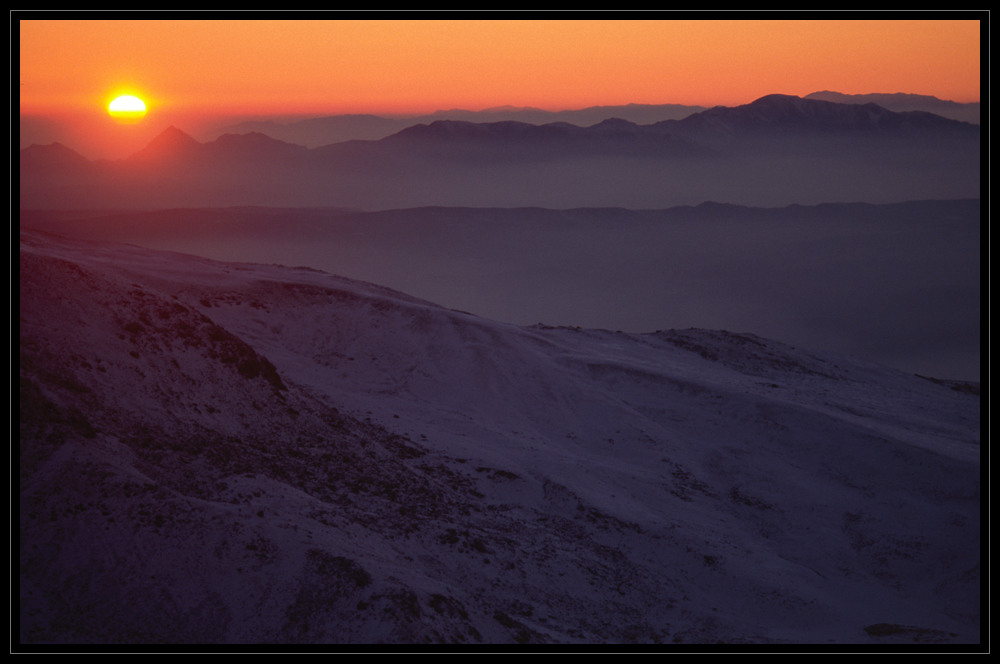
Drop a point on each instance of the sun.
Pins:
(127, 108)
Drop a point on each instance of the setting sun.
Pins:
(653, 329)
(127, 108)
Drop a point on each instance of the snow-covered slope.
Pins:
(896, 284)
(241, 453)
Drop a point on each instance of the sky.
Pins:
(189, 71)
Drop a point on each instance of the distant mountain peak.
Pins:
(905, 101)
(252, 138)
(616, 123)
(251, 146)
(174, 135)
(775, 98)
(784, 113)
(783, 101)
(440, 129)
(51, 148)
(52, 155)
(255, 136)
(830, 95)
(168, 144)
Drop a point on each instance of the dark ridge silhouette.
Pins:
(316, 132)
(51, 157)
(902, 101)
(786, 115)
(775, 151)
(253, 146)
(171, 144)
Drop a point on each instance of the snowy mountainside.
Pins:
(241, 453)
(896, 284)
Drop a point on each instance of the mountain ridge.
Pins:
(620, 268)
(776, 150)
(410, 474)
(314, 132)
(773, 108)
(904, 101)
(785, 113)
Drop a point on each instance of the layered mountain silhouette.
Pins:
(775, 151)
(315, 132)
(171, 145)
(454, 422)
(903, 101)
(52, 158)
(785, 114)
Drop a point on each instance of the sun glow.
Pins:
(127, 108)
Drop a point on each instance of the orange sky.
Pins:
(320, 66)
(336, 66)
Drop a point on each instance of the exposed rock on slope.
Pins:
(241, 453)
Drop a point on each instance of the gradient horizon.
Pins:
(193, 73)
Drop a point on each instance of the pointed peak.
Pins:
(169, 143)
(173, 135)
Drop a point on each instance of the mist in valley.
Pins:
(502, 378)
(897, 284)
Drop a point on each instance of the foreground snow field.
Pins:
(241, 453)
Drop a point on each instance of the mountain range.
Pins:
(315, 132)
(660, 383)
(237, 453)
(904, 101)
(777, 150)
